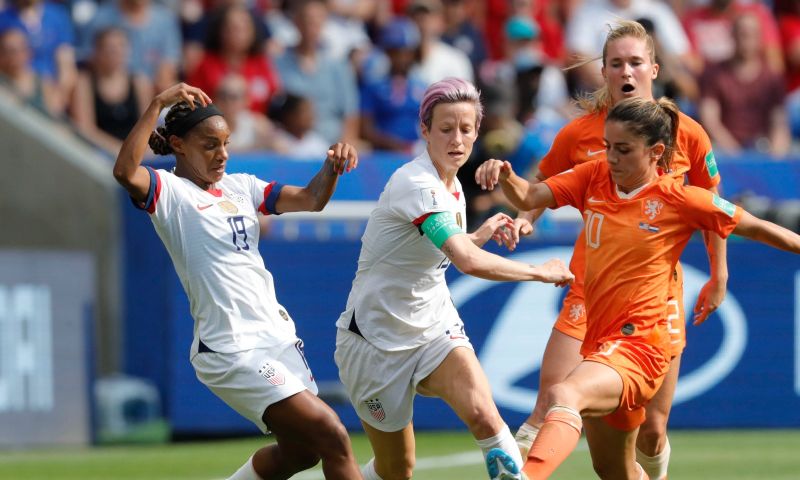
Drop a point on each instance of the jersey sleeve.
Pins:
(559, 158)
(414, 199)
(703, 170)
(161, 196)
(704, 210)
(264, 195)
(569, 187)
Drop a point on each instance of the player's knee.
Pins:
(331, 435)
(560, 394)
(652, 434)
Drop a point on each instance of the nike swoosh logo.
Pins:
(592, 153)
(203, 207)
(594, 200)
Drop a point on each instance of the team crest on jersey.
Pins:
(576, 311)
(652, 207)
(376, 409)
(228, 207)
(272, 375)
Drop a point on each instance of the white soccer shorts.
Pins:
(381, 384)
(252, 380)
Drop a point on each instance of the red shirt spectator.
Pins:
(234, 46)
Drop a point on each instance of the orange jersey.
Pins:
(632, 243)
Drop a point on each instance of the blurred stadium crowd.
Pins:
(294, 76)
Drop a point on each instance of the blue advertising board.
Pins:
(738, 369)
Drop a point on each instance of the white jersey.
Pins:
(212, 238)
(399, 297)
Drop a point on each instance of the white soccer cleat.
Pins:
(502, 467)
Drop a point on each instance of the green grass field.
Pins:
(700, 455)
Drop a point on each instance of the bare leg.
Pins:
(307, 431)
(613, 451)
(394, 452)
(652, 438)
(561, 356)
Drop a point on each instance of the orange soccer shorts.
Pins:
(572, 317)
(642, 367)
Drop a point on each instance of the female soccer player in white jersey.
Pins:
(245, 348)
(400, 333)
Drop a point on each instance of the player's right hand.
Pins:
(182, 92)
(522, 228)
(555, 271)
(491, 172)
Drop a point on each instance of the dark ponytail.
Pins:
(654, 121)
(159, 140)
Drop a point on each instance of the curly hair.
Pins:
(159, 140)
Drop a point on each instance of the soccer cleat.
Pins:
(501, 466)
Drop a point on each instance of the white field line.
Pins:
(472, 457)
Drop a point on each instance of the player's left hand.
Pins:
(498, 228)
(711, 296)
(343, 157)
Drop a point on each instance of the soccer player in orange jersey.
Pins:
(636, 222)
(629, 69)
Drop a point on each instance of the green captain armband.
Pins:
(439, 227)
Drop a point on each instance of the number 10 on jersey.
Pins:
(594, 223)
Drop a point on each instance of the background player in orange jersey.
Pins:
(629, 69)
(637, 222)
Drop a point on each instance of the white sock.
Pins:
(368, 471)
(246, 472)
(505, 442)
(525, 437)
(641, 471)
(656, 467)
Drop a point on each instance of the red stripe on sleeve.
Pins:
(420, 220)
(152, 209)
(263, 207)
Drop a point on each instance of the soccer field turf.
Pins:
(701, 455)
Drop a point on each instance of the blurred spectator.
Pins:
(109, 98)
(461, 32)
(789, 24)
(294, 121)
(742, 98)
(195, 23)
(390, 101)
(17, 73)
(541, 88)
(588, 28)
(674, 79)
(710, 28)
(550, 15)
(343, 31)
(249, 130)
(153, 33)
(437, 60)
(234, 45)
(306, 70)
(51, 39)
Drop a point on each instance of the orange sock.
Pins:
(556, 440)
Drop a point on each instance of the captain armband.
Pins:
(440, 226)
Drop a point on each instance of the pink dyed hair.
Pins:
(450, 90)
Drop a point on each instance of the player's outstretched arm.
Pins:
(471, 260)
(767, 232)
(520, 192)
(341, 158)
(127, 169)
